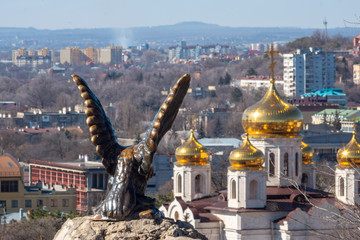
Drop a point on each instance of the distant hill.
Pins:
(159, 36)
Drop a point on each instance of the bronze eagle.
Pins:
(129, 167)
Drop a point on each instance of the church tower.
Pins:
(192, 171)
(273, 126)
(308, 177)
(347, 173)
(246, 177)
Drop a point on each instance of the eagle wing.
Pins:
(162, 123)
(100, 127)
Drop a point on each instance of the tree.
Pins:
(221, 81)
(42, 224)
(236, 95)
(201, 131)
(227, 79)
(218, 128)
(337, 122)
(324, 118)
(251, 72)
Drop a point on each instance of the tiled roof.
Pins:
(9, 166)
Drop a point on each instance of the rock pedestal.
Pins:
(140, 229)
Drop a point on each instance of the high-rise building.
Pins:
(23, 56)
(356, 74)
(72, 55)
(77, 56)
(111, 55)
(306, 70)
(356, 45)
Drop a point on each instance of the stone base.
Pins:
(140, 229)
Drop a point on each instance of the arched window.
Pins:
(341, 186)
(179, 186)
(304, 179)
(271, 164)
(253, 189)
(198, 184)
(176, 215)
(296, 164)
(286, 164)
(233, 189)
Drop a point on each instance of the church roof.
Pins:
(286, 199)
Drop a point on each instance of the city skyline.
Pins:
(66, 14)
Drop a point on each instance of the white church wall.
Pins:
(280, 146)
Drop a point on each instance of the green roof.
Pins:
(343, 113)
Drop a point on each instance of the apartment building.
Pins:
(87, 177)
(356, 74)
(356, 45)
(77, 56)
(195, 52)
(307, 70)
(32, 57)
(15, 197)
(110, 55)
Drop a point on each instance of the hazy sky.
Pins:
(59, 14)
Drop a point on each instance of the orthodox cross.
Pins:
(191, 119)
(272, 63)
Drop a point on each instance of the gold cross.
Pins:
(272, 64)
(191, 118)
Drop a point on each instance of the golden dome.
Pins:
(191, 152)
(307, 153)
(246, 157)
(272, 116)
(349, 156)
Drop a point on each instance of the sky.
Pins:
(63, 14)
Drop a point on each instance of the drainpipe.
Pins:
(272, 230)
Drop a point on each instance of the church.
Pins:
(271, 192)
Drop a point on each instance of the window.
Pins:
(296, 164)
(39, 203)
(2, 204)
(53, 202)
(14, 203)
(358, 187)
(341, 186)
(304, 179)
(198, 184)
(179, 186)
(9, 186)
(94, 181)
(28, 203)
(233, 189)
(101, 182)
(65, 202)
(286, 164)
(272, 164)
(253, 189)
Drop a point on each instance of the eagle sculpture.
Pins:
(129, 167)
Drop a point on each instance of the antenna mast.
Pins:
(325, 32)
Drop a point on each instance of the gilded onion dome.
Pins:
(272, 116)
(307, 153)
(191, 152)
(349, 156)
(246, 157)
